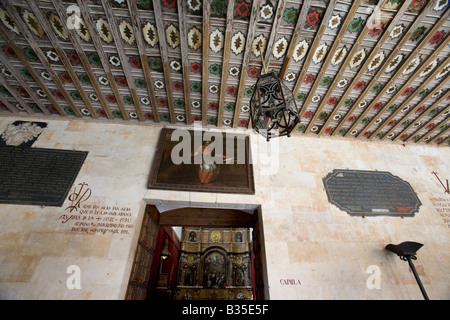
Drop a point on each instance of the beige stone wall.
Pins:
(313, 250)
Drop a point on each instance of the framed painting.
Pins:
(203, 161)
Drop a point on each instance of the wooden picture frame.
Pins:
(234, 174)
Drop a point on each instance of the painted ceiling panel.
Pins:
(358, 69)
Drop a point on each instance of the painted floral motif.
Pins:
(237, 43)
(376, 29)
(332, 100)
(290, 15)
(357, 59)
(159, 84)
(95, 59)
(376, 62)
(280, 47)
(443, 72)
(167, 3)
(194, 38)
(334, 22)
(194, 5)
(195, 67)
(231, 90)
(213, 89)
(376, 87)
(339, 56)
(81, 28)
(73, 57)
(417, 33)
(412, 66)
(259, 45)
(126, 31)
(266, 12)
(33, 23)
(175, 65)
(103, 30)
(234, 71)
(177, 85)
(394, 63)
(325, 81)
(440, 5)
(9, 51)
(242, 9)
(308, 78)
(135, 62)
(195, 87)
(312, 18)
(391, 89)
(8, 21)
(150, 34)
(356, 25)
(52, 55)
(359, 85)
(214, 68)
(397, 31)
(172, 36)
(57, 26)
(300, 50)
(437, 37)
(320, 53)
(290, 77)
(342, 83)
(216, 40)
(219, 7)
(429, 68)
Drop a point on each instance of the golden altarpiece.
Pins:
(215, 264)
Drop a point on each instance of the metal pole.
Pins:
(422, 289)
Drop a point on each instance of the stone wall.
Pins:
(313, 249)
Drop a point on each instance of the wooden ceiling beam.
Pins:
(85, 13)
(182, 18)
(111, 17)
(274, 31)
(295, 36)
(310, 55)
(411, 111)
(33, 73)
(246, 58)
(345, 63)
(324, 67)
(164, 57)
(374, 51)
(16, 96)
(225, 60)
(392, 81)
(84, 59)
(137, 29)
(206, 5)
(6, 103)
(432, 139)
(412, 96)
(424, 113)
(43, 21)
(376, 77)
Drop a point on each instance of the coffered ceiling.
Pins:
(358, 69)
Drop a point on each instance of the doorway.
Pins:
(157, 234)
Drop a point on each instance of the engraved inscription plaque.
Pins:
(37, 176)
(370, 193)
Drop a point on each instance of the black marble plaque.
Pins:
(37, 176)
(370, 193)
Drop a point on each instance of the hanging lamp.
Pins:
(273, 109)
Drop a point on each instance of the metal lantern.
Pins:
(272, 106)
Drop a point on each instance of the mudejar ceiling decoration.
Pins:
(363, 69)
